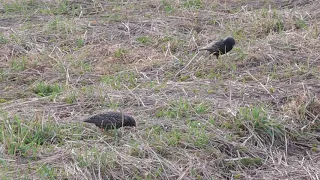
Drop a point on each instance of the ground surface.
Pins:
(251, 114)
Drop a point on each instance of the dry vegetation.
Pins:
(251, 114)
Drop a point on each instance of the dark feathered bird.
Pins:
(110, 120)
(220, 47)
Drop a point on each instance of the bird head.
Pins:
(129, 121)
(230, 41)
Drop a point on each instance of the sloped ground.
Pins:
(251, 114)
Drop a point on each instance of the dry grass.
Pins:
(251, 114)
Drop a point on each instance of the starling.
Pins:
(220, 47)
(111, 120)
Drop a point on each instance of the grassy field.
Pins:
(251, 114)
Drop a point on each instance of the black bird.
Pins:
(220, 47)
(111, 120)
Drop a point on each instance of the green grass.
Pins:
(21, 6)
(120, 53)
(19, 64)
(255, 121)
(176, 109)
(167, 6)
(48, 172)
(301, 24)
(44, 89)
(117, 81)
(182, 109)
(144, 40)
(26, 139)
(71, 98)
(196, 4)
(223, 118)
(251, 161)
(3, 40)
(82, 66)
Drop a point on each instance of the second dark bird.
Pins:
(220, 47)
(111, 120)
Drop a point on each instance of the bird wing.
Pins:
(99, 118)
(214, 46)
